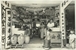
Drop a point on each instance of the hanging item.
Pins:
(9, 24)
(9, 30)
(3, 30)
(9, 18)
(14, 39)
(21, 39)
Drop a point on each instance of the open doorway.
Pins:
(70, 19)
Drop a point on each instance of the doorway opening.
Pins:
(69, 19)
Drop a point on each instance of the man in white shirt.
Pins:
(50, 24)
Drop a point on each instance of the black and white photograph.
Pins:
(38, 25)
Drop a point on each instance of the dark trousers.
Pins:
(47, 43)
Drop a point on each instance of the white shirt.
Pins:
(49, 25)
(37, 25)
(72, 38)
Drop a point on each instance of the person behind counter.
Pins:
(50, 24)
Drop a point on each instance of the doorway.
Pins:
(69, 19)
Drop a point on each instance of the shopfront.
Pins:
(25, 26)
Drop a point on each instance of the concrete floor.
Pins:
(36, 46)
(39, 49)
(36, 41)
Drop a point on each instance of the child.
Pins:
(47, 39)
(72, 37)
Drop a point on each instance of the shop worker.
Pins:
(50, 24)
(72, 37)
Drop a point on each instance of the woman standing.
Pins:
(42, 30)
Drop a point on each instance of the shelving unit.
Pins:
(3, 24)
(8, 30)
(4, 6)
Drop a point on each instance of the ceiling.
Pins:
(36, 3)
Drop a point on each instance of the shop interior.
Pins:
(32, 20)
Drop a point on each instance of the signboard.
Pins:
(55, 37)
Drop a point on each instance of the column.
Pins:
(63, 5)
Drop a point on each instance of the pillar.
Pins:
(62, 25)
(63, 5)
(7, 25)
